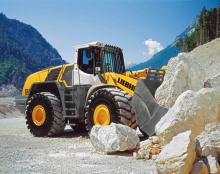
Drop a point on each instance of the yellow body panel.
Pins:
(41, 76)
(124, 82)
(61, 74)
(34, 78)
(128, 80)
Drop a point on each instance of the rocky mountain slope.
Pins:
(161, 58)
(23, 50)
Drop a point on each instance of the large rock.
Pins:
(213, 82)
(113, 138)
(208, 142)
(191, 111)
(178, 156)
(189, 71)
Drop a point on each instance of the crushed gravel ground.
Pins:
(72, 152)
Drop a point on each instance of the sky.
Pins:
(140, 27)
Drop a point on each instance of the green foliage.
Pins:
(207, 29)
(23, 51)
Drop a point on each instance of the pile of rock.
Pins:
(8, 109)
(208, 150)
(188, 154)
(8, 91)
(190, 131)
(191, 111)
(148, 149)
(7, 102)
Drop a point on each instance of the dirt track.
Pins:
(20, 152)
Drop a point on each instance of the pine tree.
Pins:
(202, 26)
(218, 21)
(207, 29)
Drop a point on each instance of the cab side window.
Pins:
(67, 75)
(86, 60)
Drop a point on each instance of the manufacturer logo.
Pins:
(126, 84)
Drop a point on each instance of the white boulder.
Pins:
(208, 142)
(113, 138)
(189, 71)
(191, 111)
(177, 156)
(213, 82)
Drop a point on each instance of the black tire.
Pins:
(54, 123)
(118, 103)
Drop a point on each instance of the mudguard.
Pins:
(148, 112)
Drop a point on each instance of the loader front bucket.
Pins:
(148, 112)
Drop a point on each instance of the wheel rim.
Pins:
(38, 115)
(101, 115)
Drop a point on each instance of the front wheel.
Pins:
(44, 115)
(108, 105)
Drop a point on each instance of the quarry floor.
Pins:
(72, 152)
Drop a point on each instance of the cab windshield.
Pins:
(109, 59)
(112, 60)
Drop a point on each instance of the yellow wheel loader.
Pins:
(96, 90)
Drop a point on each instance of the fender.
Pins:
(97, 87)
(53, 87)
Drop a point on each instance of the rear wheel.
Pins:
(108, 105)
(44, 115)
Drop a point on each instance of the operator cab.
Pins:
(98, 57)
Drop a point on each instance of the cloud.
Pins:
(153, 47)
(129, 64)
